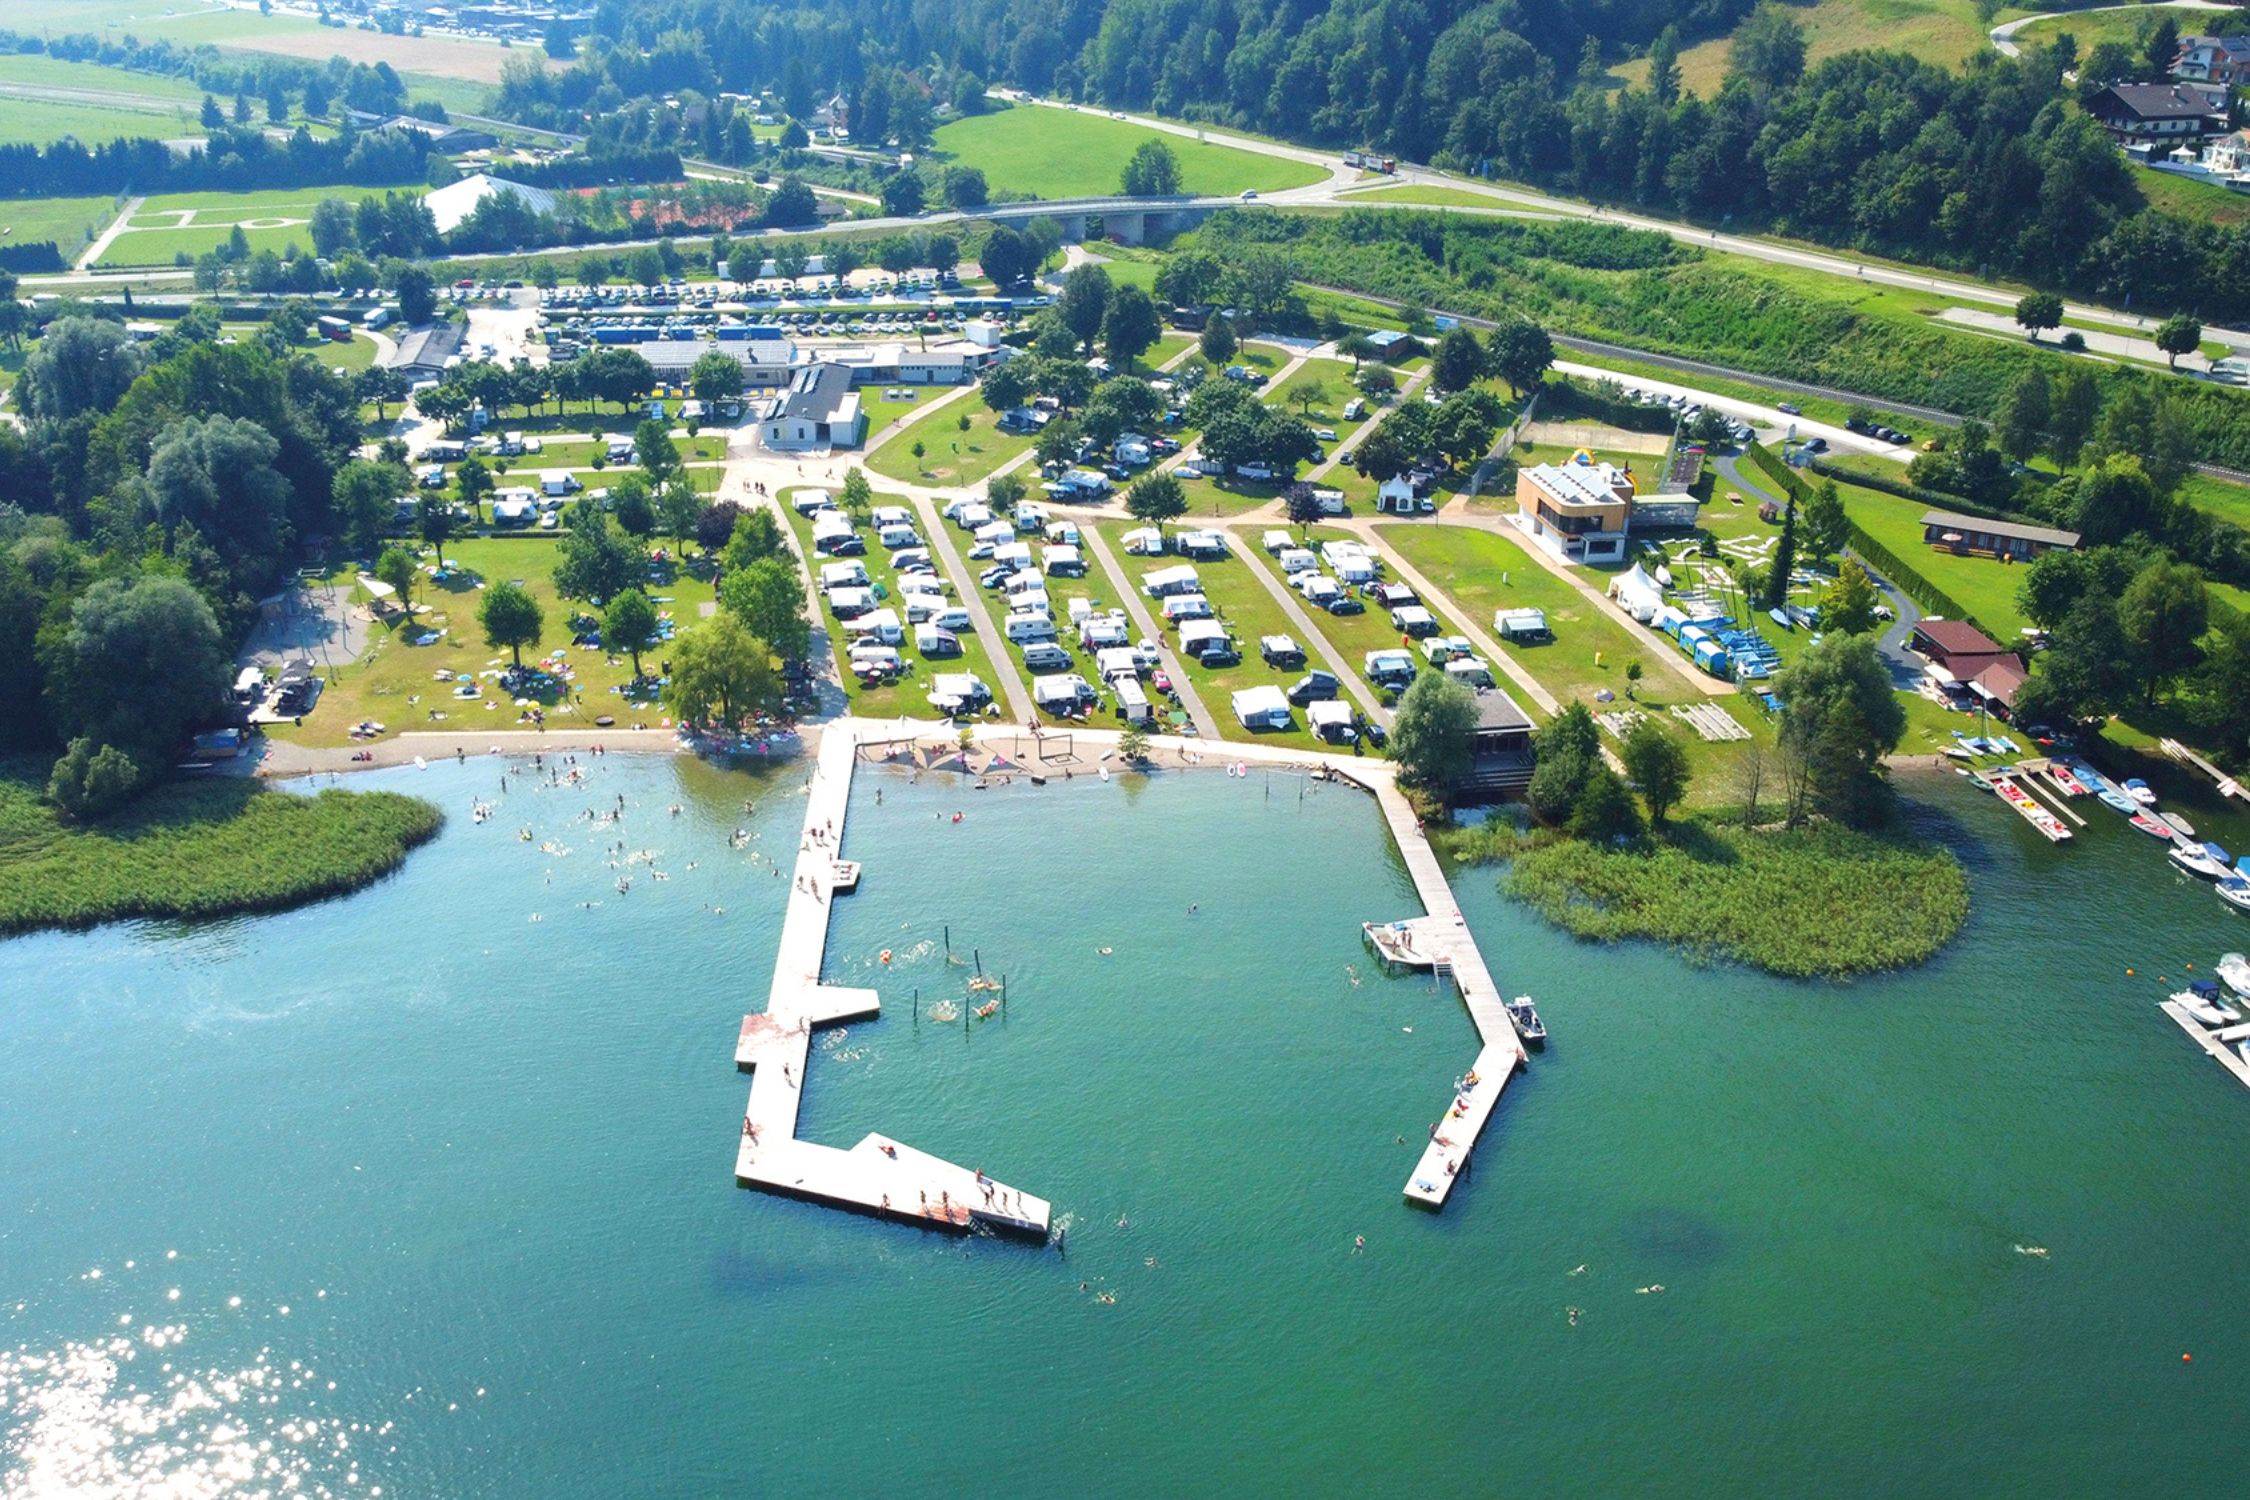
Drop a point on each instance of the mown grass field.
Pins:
(396, 683)
(247, 31)
(31, 119)
(191, 849)
(155, 235)
(949, 455)
(1060, 153)
(1946, 32)
(69, 222)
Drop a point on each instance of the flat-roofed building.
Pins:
(1579, 511)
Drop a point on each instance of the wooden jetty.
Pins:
(2215, 1043)
(2228, 786)
(879, 1175)
(2034, 811)
(1441, 941)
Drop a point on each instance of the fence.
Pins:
(1907, 579)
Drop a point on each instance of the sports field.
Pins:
(69, 222)
(1058, 153)
(43, 99)
(191, 223)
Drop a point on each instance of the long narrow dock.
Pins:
(1443, 936)
(2227, 1057)
(879, 1175)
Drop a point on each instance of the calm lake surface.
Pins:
(412, 1194)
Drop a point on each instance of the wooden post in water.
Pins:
(978, 955)
(917, 1007)
(949, 942)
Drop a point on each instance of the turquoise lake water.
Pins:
(410, 1193)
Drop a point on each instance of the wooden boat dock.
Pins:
(1441, 942)
(2215, 1043)
(879, 1175)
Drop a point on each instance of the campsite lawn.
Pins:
(1248, 612)
(1326, 385)
(1985, 587)
(1074, 153)
(908, 693)
(949, 455)
(395, 683)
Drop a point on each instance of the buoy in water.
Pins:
(886, 955)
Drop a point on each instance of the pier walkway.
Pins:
(879, 1175)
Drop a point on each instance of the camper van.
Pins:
(892, 515)
(1026, 629)
(879, 625)
(958, 692)
(848, 575)
(895, 537)
(1132, 699)
(559, 482)
(805, 502)
(1207, 641)
(1186, 607)
(833, 535)
(1045, 656)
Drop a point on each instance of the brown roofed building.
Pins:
(1984, 536)
(1962, 649)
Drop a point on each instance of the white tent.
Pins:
(1262, 707)
(1640, 594)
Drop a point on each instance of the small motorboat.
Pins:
(2138, 790)
(2112, 797)
(2071, 785)
(2235, 891)
(1981, 782)
(2179, 825)
(2147, 824)
(2201, 1000)
(1958, 753)
(2196, 860)
(1528, 1025)
(2235, 970)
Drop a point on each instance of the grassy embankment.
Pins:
(1814, 902)
(194, 849)
(1060, 153)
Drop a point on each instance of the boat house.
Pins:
(1982, 536)
(1961, 650)
(1500, 751)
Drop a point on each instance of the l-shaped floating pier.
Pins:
(884, 1176)
(879, 1175)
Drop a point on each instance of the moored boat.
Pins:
(2139, 791)
(1526, 1018)
(2112, 797)
(2149, 825)
(1958, 753)
(2235, 970)
(2179, 825)
(2235, 891)
(2196, 860)
(2201, 1000)
(2071, 786)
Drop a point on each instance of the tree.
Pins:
(2039, 310)
(2162, 50)
(2086, 672)
(1218, 342)
(757, 535)
(2177, 335)
(1604, 812)
(2115, 500)
(1130, 328)
(92, 780)
(216, 476)
(78, 365)
(396, 568)
(720, 672)
(747, 262)
(210, 117)
(715, 376)
(138, 663)
(789, 260)
(840, 260)
(364, 493)
(1132, 745)
(1849, 607)
(1153, 171)
(475, 482)
(2073, 405)
(511, 618)
(434, 520)
(1155, 498)
(1826, 526)
(1658, 764)
(1459, 361)
(1006, 258)
(1839, 718)
(965, 188)
(1664, 67)
(1784, 562)
(629, 625)
(1564, 752)
(769, 598)
(1190, 278)
(1521, 354)
(633, 501)
(2019, 423)
(653, 447)
(1004, 492)
(792, 206)
(1302, 505)
(1434, 732)
(904, 197)
(1768, 49)
(679, 510)
(316, 97)
(331, 228)
(597, 561)
(2164, 612)
(1084, 303)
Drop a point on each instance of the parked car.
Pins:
(1789, 407)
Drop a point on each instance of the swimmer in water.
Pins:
(1123, 1222)
(1359, 1243)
